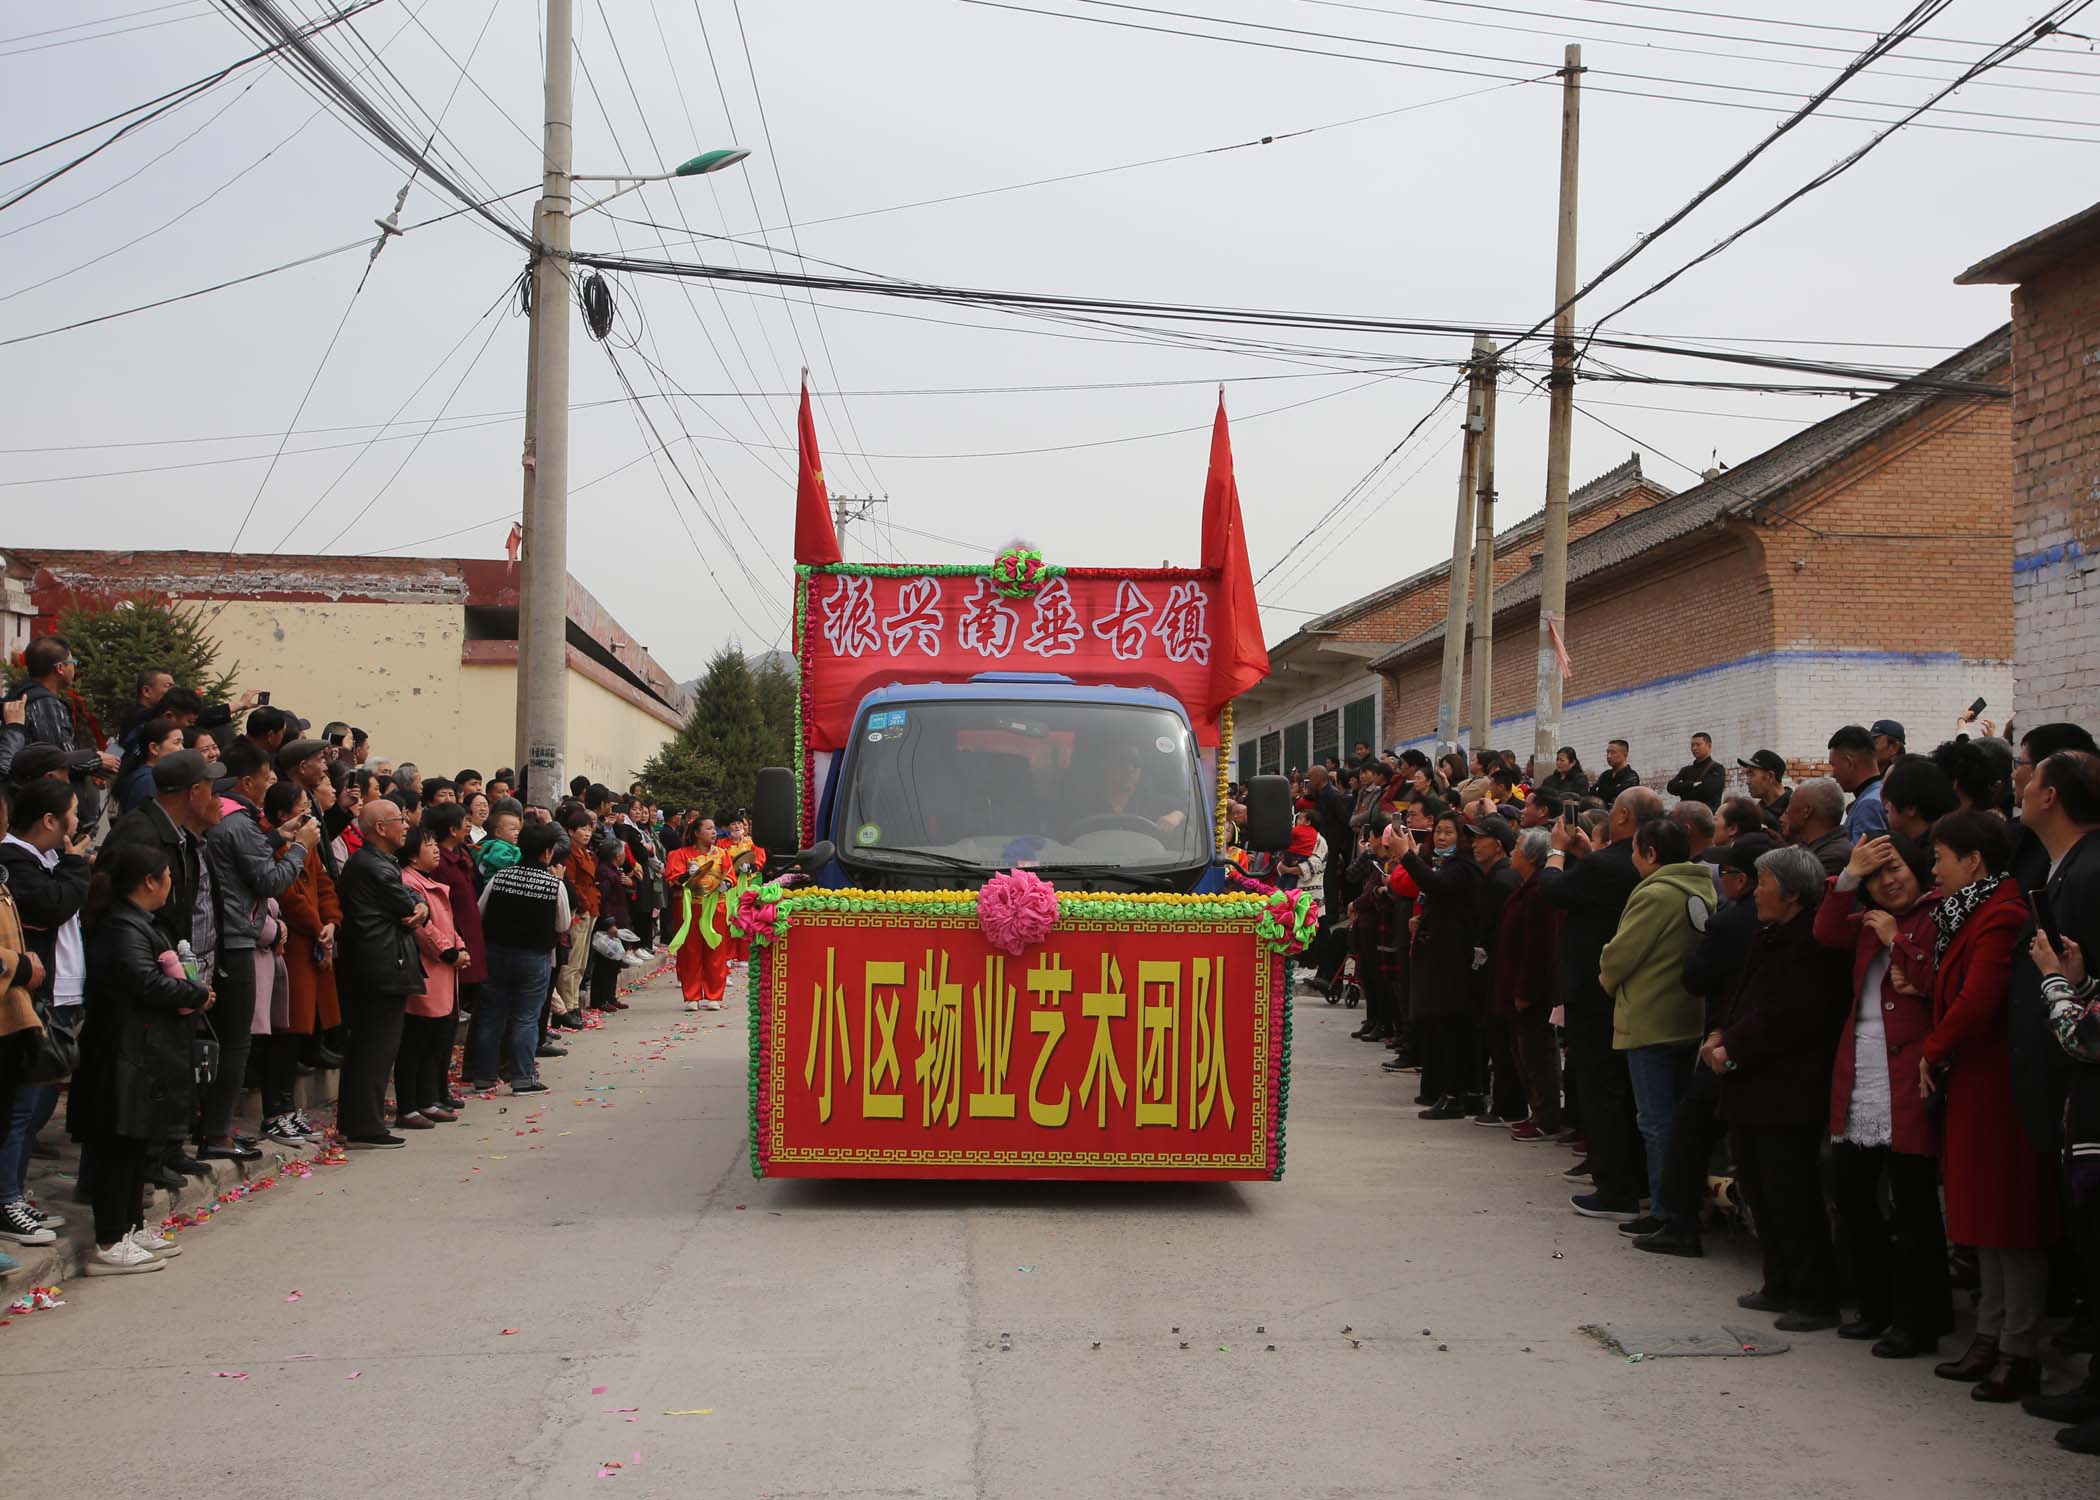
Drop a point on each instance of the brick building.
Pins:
(1322, 695)
(1855, 571)
(422, 653)
(2055, 275)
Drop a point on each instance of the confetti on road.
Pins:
(354, 1374)
(597, 1390)
(510, 1330)
(697, 1411)
(294, 1296)
(229, 1374)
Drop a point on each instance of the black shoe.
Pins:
(1861, 1329)
(1897, 1344)
(1760, 1301)
(453, 1101)
(549, 1049)
(1446, 1108)
(2084, 1438)
(1580, 1172)
(231, 1151)
(1645, 1224)
(1393, 1065)
(1806, 1320)
(1671, 1242)
(1979, 1361)
(161, 1175)
(572, 1021)
(187, 1165)
(381, 1142)
(242, 1138)
(2081, 1403)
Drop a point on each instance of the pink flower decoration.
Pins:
(1016, 910)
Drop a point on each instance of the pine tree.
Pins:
(713, 762)
(778, 693)
(116, 639)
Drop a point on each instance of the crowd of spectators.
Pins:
(217, 901)
(1854, 1013)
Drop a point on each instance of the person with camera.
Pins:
(246, 876)
(134, 1087)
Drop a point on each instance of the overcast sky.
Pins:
(1444, 211)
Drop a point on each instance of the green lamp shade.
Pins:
(712, 161)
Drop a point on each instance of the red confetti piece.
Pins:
(510, 1330)
(353, 1375)
(294, 1296)
(597, 1390)
(229, 1374)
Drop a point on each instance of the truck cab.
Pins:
(942, 785)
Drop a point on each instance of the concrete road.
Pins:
(797, 1339)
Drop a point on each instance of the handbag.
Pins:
(204, 1053)
(57, 1051)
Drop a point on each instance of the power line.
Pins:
(2019, 42)
(1596, 88)
(100, 35)
(363, 242)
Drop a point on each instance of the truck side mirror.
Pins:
(773, 813)
(1268, 815)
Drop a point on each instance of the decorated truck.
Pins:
(1003, 937)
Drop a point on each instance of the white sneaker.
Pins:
(45, 1217)
(692, 1007)
(153, 1242)
(304, 1126)
(285, 1132)
(710, 1005)
(121, 1259)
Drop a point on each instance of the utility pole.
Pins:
(1450, 687)
(530, 458)
(1560, 420)
(847, 508)
(543, 615)
(1484, 560)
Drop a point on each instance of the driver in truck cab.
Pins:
(1115, 789)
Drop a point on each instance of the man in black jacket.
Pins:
(1704, 780)
(1444, 1019)
(1493, 838)
(48, 667)
(2060, 806)
(381, 969)
(1591, 889)
(183, 810)
(1617, 775)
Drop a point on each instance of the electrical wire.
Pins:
(100, 36)
(2064, 11)
(363, 242)
(160, 105)
(1394, 62)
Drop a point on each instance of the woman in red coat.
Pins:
(1880, 911)
(2001, 1191)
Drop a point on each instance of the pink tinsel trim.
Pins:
(1016, 910)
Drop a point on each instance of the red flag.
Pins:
(1238, 658)
(815, 541)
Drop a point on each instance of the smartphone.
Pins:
(1976, 708)
(262, 700)
(2045, 918)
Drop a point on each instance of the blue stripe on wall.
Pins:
(1759, 659)
(2047, 557)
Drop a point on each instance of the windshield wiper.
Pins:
(931, 856)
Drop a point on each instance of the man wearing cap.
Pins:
(1493, 837)
(1888, 742)
(1765, 774)
(183, 809)
(1855, 766)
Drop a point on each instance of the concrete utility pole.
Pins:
(1560, 419)
(846, 508)
(543, 615)
(1483, 718)
(1450, 687)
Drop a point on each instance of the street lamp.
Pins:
(699, 166)
(543, 581)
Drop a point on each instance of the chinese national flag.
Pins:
(815, 541)
(1238, 659)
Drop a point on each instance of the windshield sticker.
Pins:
(1164, 744)
(874, 736)
(870, 834)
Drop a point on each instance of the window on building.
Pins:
(1295, 745)
(1271, 754)
(1360, 722)
(1327, 735)
(1250, 761)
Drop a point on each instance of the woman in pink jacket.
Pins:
(425, 1058)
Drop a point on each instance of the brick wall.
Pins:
(1875, 590)
(2056, 492)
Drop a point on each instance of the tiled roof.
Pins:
(2016, 262)
(1609, 485)
(1748, 486)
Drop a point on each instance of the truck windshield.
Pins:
(1042, 785)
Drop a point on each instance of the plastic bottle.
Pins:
(190, 966)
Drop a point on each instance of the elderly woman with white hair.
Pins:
(1773, 1051)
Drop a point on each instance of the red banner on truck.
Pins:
(904, 1045)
